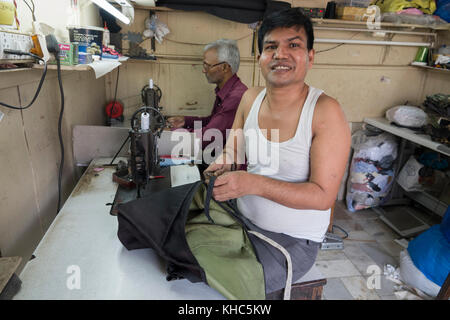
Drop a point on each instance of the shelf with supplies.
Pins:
(405, 221)
(337, 22)
(100, 68)
(322, 21)
(408, 134)
(432, 68)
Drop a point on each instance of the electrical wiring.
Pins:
(345, 232)
(31, 8)
(61, 142)
(40, 82)
(115, 96)
(341, 44)
(193, 43)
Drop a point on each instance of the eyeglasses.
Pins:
(207, 66)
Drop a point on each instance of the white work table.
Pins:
(83, 237)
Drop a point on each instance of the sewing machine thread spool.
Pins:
(145, 121)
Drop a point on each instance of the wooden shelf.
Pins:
(15, 69)
(152, 8)
(320, 21)
(79, 67)
(333, 21)
(432, 68)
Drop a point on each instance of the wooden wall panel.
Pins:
(19, 211)
(30, 153)
(368, 91)
(436, 81)
(354, 67)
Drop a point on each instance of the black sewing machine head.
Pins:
(147, 124)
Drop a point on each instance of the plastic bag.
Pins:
(372, 170)
(443, 9)
(413, 277)
(408, 177)
(430, 252)
(407, 116)
(155, 28)
(425, 19)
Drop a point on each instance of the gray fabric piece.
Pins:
(303, 254)
(288, 286)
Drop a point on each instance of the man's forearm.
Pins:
(305, 195)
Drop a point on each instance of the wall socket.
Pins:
(11, 39)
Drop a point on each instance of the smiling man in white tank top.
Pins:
(292, 190)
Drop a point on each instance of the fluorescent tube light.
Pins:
(110, 9)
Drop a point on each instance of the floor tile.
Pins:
(330, 255)
(364, 214)
(340, 212)
(359, 236)
(378, 254)
(347, 225)
(384, 286)
(337, 268)
(392, 248)
(359, 258)
(357, 286)
(378, 229)
(335, 290)
(389, 297)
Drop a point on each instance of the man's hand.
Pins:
(216, 169)
(232, 185)
(176, 122)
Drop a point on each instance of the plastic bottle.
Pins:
(444, 49)
(106, 37)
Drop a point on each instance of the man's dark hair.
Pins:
(292, 17)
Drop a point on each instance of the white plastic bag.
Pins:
(407, 116)
(155, 28)
(408, 177)
(372, 169)
(412, 276)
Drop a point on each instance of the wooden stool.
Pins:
(308, 287)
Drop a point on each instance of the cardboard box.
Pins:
(66, 54)
(351, 13)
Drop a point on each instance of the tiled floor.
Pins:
(352, 272)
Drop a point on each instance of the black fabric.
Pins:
(209, 197)
(248, 11)
(158, 222)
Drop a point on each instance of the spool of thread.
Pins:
(422, 55)
(145, 121)
(150, 83)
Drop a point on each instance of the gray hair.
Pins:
(227, 51)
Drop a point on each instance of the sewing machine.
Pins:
(147, 124)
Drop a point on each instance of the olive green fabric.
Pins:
(426, 6)
(224, 251)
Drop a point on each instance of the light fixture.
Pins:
(105, 5)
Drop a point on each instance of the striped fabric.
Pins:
(15, 15)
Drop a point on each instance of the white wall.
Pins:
(58, 14)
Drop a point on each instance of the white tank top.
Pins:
(286, 161)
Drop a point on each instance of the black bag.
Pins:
(158, 222)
